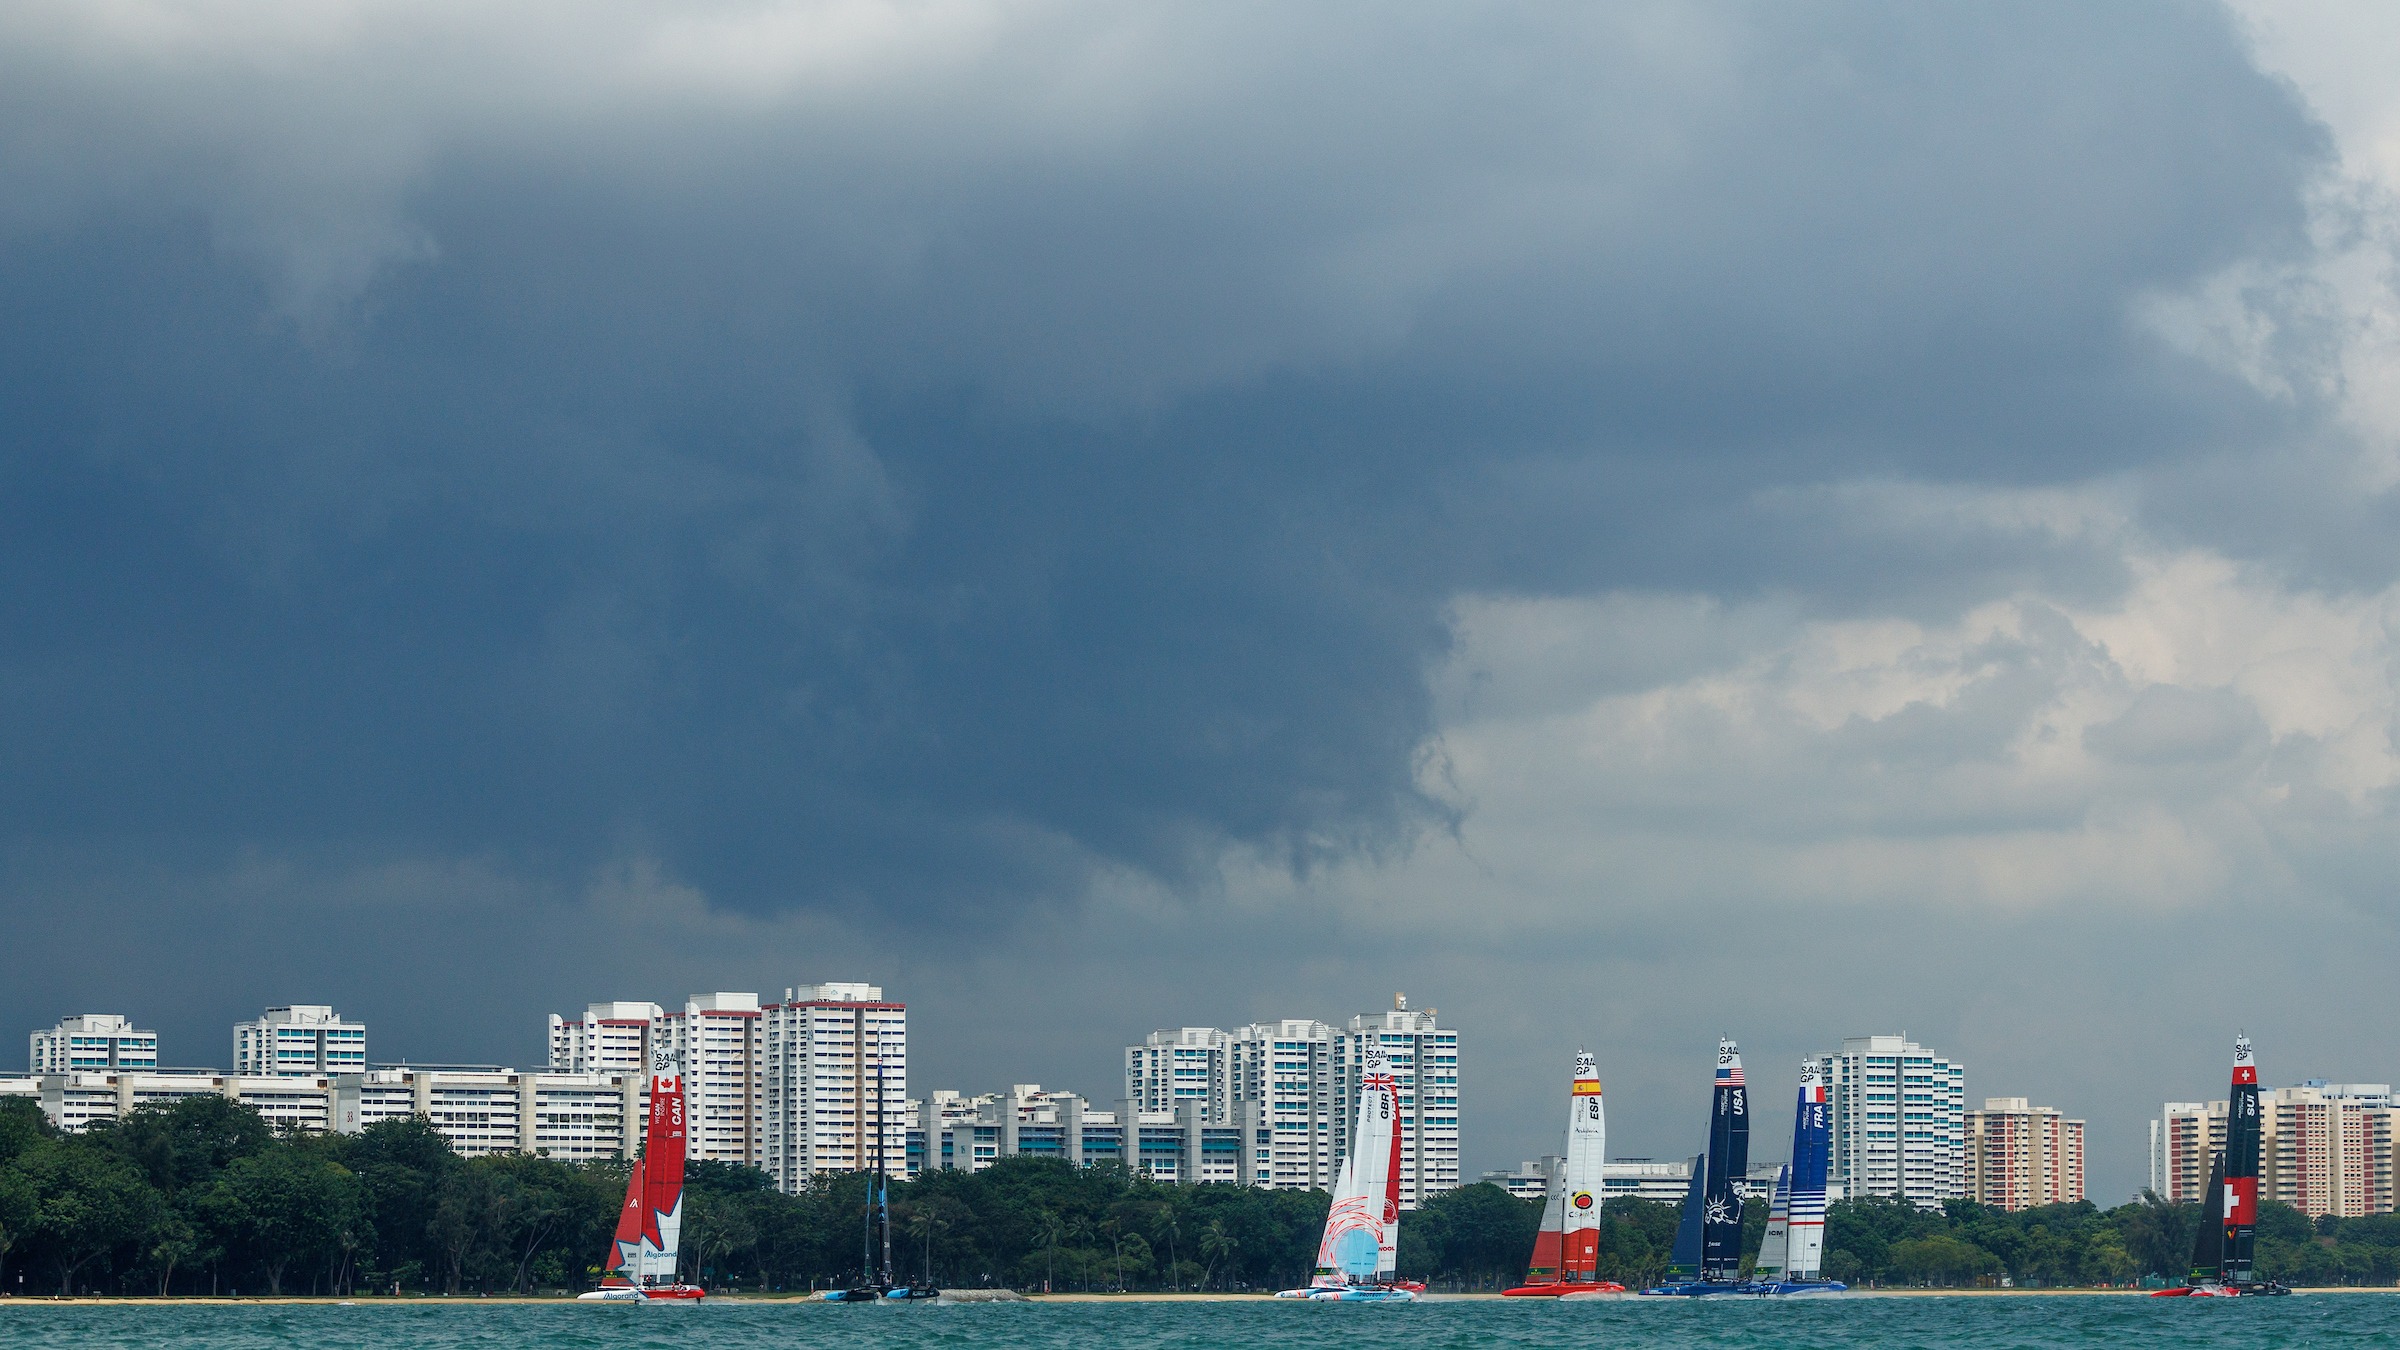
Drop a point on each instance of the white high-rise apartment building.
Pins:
(1179, 1065)
(1899, 1120)
(94, 1043)
(303, 1038)
(1285, 1070)
(719, 1040)
(2020, 1156)
(609, 1038)
(571, 1116)
(835, 1064)
(1424, 1058)
(2185, 1137)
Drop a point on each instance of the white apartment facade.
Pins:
(482, 1110)
(720, 1042)
(835, 1064)
(608, 1038)
(1283, 1073)
(2324, 1148)
(1899, 1120)
(93, 1043)
(2021, 1156)
(72, 1101)
(1183, 1064)
(299, 1039)
(1424, 1059)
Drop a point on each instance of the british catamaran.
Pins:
(2222, 1254)
(1707, 1258)
(1794, 1251)
(1356, 1260)
(642, 1258)
(1566, 1253)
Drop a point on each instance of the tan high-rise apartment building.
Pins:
(2020, 1156)
(2324, 1148)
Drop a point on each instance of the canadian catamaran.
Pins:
(642, 1258)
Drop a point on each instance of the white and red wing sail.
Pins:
(1365, 1210)
(1587, 1154)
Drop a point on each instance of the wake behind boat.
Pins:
(642, 1257)
(1707, 1257)
(1566, 1252)
(2222, 1254)
(1357, 1258)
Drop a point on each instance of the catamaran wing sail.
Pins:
(662, 1172)
(1683, 1262)
(1812, 1158)
(1774, 1250)
(2240, 1209)
(1584, 1168)
(1728, 1158)
(1351, 1251)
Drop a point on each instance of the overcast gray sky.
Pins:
(1627, 523)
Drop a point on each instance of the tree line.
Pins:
(201, 1196)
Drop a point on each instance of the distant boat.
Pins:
(1794, 1250)
(1707, 1258)
(1566, 1252)
(2222, 1254)
(642, 1258)
(1357, 1257)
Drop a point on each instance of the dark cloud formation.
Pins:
(895, 488)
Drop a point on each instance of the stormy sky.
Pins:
(1627, 523)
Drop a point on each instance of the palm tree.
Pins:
(1079, 1232)
(1162, 1224)
(1217, 1243)
(1051, 1230)
(924, 1224)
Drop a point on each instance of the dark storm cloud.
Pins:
(903, 490)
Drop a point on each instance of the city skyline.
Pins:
(565, 1050)
(1632, 524)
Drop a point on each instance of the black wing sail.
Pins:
(1728, 1159)
(1684, 1262)
(2208, 1249)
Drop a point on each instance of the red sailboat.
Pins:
(1566, 1252)
(642, 1258)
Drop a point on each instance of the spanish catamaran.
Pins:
(1794, 1251)
(642, 1258)
(1566, 1253)
(1357, 1258)
(1707, 1258)
(2222, 1254)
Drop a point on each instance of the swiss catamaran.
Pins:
(1794, 1250)
(1707, 1258)
(2222, 1254)
(641, 1261)
(1357, 1259)
(1566, 1253)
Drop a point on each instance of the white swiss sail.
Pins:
(1364, 1223)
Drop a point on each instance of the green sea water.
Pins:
(1982, 1323)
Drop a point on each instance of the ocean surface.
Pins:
(1982, 1323)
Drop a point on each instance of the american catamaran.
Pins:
(1566, 1253)
(1707, 1258)
(1357, 1258)
(1794, 1250)
(642, 1258)
(2222, 1254)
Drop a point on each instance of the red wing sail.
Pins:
(627, 1248)
(662, 1174)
